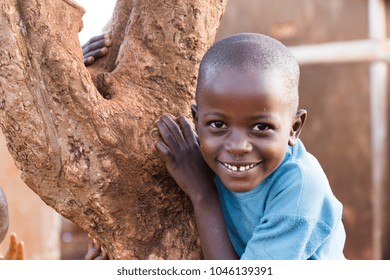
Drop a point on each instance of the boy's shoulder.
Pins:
(300, 175)
(302, 184)
(300, 165)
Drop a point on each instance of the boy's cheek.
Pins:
(208, 149)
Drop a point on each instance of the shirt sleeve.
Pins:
(286, 238)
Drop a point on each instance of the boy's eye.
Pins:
(217, 124)
(261, 127)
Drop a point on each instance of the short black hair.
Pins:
(4, 220)
(252, 51)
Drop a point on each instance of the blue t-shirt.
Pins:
(291, 214)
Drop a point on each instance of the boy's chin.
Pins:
(239, 187)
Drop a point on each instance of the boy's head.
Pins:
(246, 113)
(3, 216)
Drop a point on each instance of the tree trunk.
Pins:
(91, 158)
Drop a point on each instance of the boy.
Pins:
(256, 192)
(16, 249)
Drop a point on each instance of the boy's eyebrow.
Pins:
(214, 114)
(267, 116)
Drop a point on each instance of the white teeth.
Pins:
(241, 168)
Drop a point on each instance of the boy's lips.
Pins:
(240, 166)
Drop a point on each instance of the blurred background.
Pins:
(343, 51)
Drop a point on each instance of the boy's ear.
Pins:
(194, 112)
(300, 119)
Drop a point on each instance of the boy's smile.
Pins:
(245, 122)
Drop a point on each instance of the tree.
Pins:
(91, 158)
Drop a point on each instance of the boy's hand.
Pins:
(15, 250)
(96, 48)
(180, 150)
(95, 250)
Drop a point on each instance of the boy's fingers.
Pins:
(188, 132)
(13, 242)
(96, 243)
(174, 128)
(12, 237)
(102, 255)
(167, 136)
(93, 249)
(10, 255)
(165, 152)
(12, 249)
(96, 38)
(89, 60)
(91, 57)
(96, 53)
(92, 254)
(20, 251)
(96, 46)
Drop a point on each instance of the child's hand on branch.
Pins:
(180, 150)
(96, 48)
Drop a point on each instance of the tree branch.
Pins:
(92, 159)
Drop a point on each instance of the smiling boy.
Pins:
(256, 192)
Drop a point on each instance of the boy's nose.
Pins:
(238, 144)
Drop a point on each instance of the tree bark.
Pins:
(91, 158)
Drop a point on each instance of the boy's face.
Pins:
(245, 123)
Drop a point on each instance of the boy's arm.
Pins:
(180, 150)
(96, 48)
